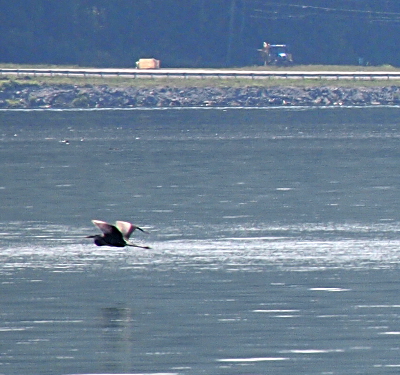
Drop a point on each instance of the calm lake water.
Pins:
(274, 234)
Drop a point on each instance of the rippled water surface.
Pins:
(274, 241)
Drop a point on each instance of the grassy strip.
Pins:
(12, 82)
(115, 81)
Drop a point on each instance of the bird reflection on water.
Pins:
(115, 317)
(115, 235)
(116, 328)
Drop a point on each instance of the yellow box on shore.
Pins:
(148, 64)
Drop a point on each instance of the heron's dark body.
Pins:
(113, 238)
(101, 241)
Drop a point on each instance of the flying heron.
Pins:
(115, 235)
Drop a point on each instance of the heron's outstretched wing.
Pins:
(127, 228)
(104, 227)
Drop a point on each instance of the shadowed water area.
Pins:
(274, 239)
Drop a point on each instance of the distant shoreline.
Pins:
(66, 96)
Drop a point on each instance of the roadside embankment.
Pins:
(103, 96)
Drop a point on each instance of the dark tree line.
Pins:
(197, 33)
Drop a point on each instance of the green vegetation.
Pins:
(82, 101)
(13, 83)
(200, 33)
(13, 103)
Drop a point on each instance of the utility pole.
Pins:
(231, 31)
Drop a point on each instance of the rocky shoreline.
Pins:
(27, 96)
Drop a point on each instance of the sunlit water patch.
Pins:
(306, 246)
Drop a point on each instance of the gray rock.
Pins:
(102, 96)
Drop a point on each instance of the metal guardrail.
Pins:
(205, 73)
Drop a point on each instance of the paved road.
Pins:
(207, 73)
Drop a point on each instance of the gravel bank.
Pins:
(89, 96)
